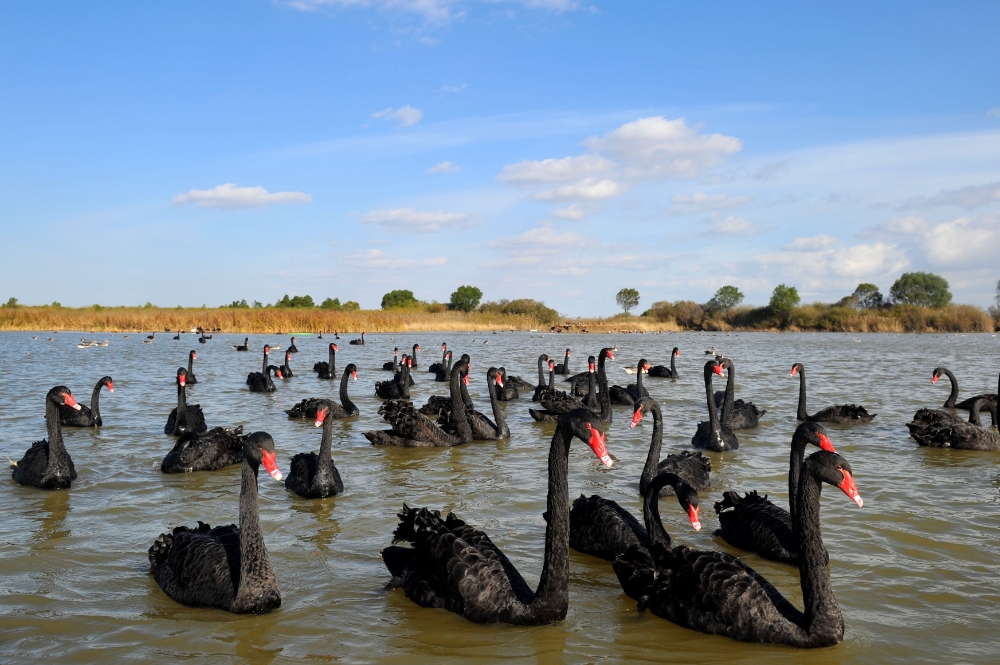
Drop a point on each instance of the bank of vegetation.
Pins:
(917, 302)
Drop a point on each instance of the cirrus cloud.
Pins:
(229, 196)
(407, 116)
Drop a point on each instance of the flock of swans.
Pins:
(440, 561)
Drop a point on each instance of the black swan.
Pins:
(520, 384)
(292, 348)
(940, 429)
(286, 369)
(413, 357)
(411, 428)
(589, 398)
(434, 367)
(841, 413)
(666, 372)
(754, 523)
(509, 392)
(191, 378)
(314, 476)
(398, 387)
(208, 451)
(711, 434)
(225, 567)
(455, 567)
(694, 468)
(46, 464)
(542, 384)
(443, 372)
(307, 407)
(603, 398)
(81, 416)
(358, 342)
(178, 335)
(716, 593)
(555, 402)
(965, 404)
(245, 346)
(736, 414)
(483, 429)
(602, 528)
(260, 382)
(185, 417)
(392, 365)
(203, 339)
(328, 370)
(628, 395)
(563, 367)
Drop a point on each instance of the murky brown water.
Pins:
(915, 571)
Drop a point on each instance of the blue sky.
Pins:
(190, 152)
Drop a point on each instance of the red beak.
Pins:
(693, 516)
(717, 369)
(611, 356)
(354, 375)
(278, 374)
(69, 401)
(824, 443)
(934, 378)
(182, 379)
(850, 489)
(271, 464)
(636, 417)
(111, 387)
(793, 372)
(321, 416)
(465, 379)
(499, 380)
(596, 442)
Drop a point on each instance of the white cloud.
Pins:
(964, 197)
(568, 169)
(433, 11)
(963, 243)
(728, 226)
(406, 116)
(444, 167)
(230, 196)
(454, 88)
(409, 220)
(701, 202)
(573, 212)
(657, 147)
(812, 243)
(589, 189)
(865, 261)
(993, 113)
(436, 261)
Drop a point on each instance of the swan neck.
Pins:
(603, 396)
(181, 401)
(503, 431)
(541, 372)
(802, 415)
(591, 391)
(264, 366)
(190, 365)
(653, 458)
(565, 371)
(638, 382)
(673, 365)
(333, 362)
(95, 403)
(713, 415)
(552, 596)
(414, 355)
(729, 399)
(950, 402)
(651, 507)
(255, 569)
(57, 449)
(326, 444)
(458, 407)
(822, 618)
(345, 399)
(795, 459)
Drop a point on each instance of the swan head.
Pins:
(834, 469)
(259, 449)
(106, 380)
(587, 427)
(796, 368)
(182, 376)
(815, 434)
(352, 369)
(62, 395)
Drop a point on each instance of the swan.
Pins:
(46, 464)
(714, 592)
(508, 392)
(434, 367)
(555, 402)
(358, 342)
(292, 348)
(81, 416)
(736, 414)
(191, 379)
(753, 523)
(307, 407)
(602, 528)
(185, 417)
(215, 449)
(455, 567)
(563, 367)
(314, 476)
(149, 339)
(711, 434)
(399, 386)
(286, 369)
(225, 567)
(245, 346)
(525, 386)
(965, 404)
(693, 467)
(392, 365)
(940, 429)
(413, 357)
(483, 429)
(411, 428)
(443, 372)
(628, 395)
(666, 372)
(260, 382)
(842, 413)
(328, 370)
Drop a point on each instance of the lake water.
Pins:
(915, 570)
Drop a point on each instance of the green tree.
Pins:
(351, 306)
(866, 296)
(923, 289)
(627, 299)
(784, 299)
(331, 303)
(398, 298)
(257, 304)
(11, 303)
(238, 304)
(295, 301)
(465, 298)
(725, 299)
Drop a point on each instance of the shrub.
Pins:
(922, 289)
(351, 306)
(11, 303)
(295, 301)
(398, 298)
(331, 303)
(465, 298)
(523, 306)
(662, 311)
(238, 304)
(688, 314)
